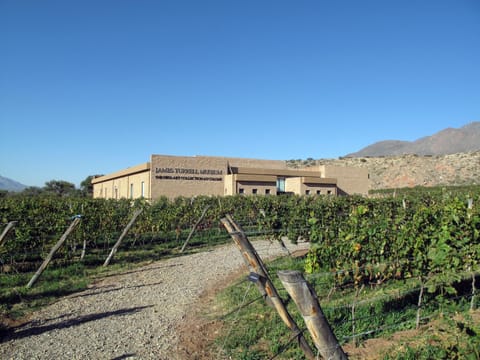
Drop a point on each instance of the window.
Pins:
(267, 191)
(143, 189)
(116, 192)
(241, 191)
(281, 184)
(254, 191)
(307, 192)
(319, 192)
(329, 192)
(131, 191)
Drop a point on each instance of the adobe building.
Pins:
(189, 176)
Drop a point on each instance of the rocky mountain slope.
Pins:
(447, 141)
(388, 172)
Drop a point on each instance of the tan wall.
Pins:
(350, 180)
(118, 185)
(118, 188)
(297, 185)
(256, 163)
(229, 183)
(293, 185)
(256, 188)
(174, 176)
(137, 180)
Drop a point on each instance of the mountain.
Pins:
(11, 185)
(444, 142)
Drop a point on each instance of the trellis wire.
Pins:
(288, 343)
(236, 317)
(400, 324)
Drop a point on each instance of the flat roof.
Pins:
(128, 171)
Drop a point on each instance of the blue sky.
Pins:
(92, 87)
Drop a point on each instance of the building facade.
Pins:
(188, 176)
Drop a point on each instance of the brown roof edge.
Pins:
(128, 171)
(318, 180)
(276, 172)
(255, 177)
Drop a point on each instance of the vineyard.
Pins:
(428, 239)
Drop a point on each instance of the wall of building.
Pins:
(293, 185)
(316, 189)
(118, 185)
(256, 163)
(298, 185)
(230, 185)
(139, 185)
(256, 188)
(174, 176)
(350, 180)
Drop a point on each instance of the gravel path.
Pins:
(131, 315)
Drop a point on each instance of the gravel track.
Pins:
(130, 315)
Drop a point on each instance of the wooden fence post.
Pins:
(119, 241)
(9, 226)
(194, 227)
(236, 239)
(53, 251)
(84, 248)
(265, 285)
(307, 302)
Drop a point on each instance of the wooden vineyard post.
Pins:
(194, 227)
(124, 233)
(5, 231)
(53, 251)
(84, 249)
(265, 285)
(307, 302)
(236, 239)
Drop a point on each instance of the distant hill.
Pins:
(11, 185)
(389, 172)
(444, 142)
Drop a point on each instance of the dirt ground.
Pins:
(200, 328)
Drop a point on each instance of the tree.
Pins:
(86, 186)
(60, 188)
(32, 191)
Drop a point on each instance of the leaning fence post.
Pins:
(307, 302)
(234, 233)
(265, 285)
(53, 251)
(119, 241)
(9, 226)
(194, 227)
